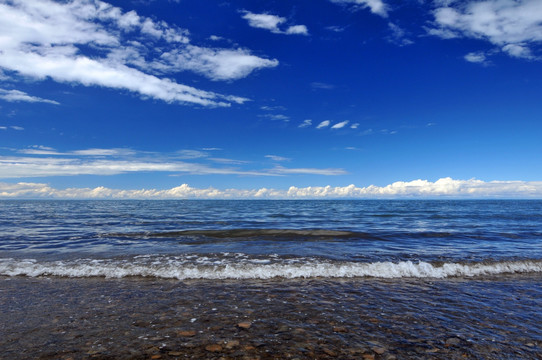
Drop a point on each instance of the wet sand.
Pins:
(136, 318)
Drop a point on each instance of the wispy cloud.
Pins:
(17, 96)
(442, 188)
(398, 35)
(272, 23)
(275, 117)
(93, 43)
(43, 161)
(305, 123)
(323, 124)
(376, 6)
(322, 86)
(307, 171)
(514, 27)
(277, 158)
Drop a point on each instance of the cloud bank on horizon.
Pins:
(444, 187)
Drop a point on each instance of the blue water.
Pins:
(277, 238)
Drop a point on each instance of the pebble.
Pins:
(379, 350)
(156, 356)
(244, 325)
(329, 352)
(214, 348)
(187, 333)
(340, 329)
(368, 357)
(231, 344)
(175, 353)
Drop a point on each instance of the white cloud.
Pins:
(17, 167)
(442, 188)
(307, 171)
(3, 128)
(44, 161)
(340, 125)
(297, 29)
(271, 22)
(229, 161)
(376, 6)
(44, 39)
(215, 64)
(16, 95)
(514, 26)
(323, 124)
(475, 57)
(18, 128)
(398, 35)
(275, 117)
(354, 126)
(305, 123)
(46, 150)
(518, 50)
(277, 158)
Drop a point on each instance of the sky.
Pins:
(270, 99)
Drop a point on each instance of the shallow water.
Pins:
(55, 318)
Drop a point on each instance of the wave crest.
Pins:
(192, 267)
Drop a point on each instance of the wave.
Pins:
(242, 267)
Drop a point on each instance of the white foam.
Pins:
(235, 268)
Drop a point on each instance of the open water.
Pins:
(312, 279)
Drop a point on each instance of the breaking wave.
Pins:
(239, 266)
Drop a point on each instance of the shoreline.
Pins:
(65, 318)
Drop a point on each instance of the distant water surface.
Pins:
(254, 239)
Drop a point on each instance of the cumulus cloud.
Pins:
(272, 22)
(16, 96)
(92, 43)
(442, 188)
(323, 124)
(340, 125)
(514, 26)
(376, 6)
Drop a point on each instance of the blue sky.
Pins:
(288, 98)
